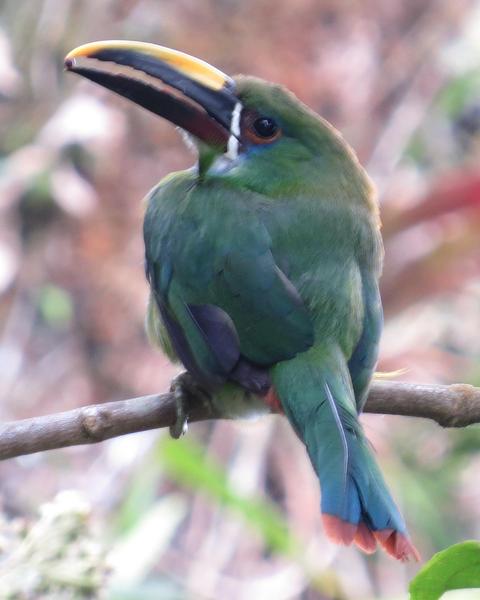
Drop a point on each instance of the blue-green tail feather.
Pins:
(317, 397)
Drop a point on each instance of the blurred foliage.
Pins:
(55, 306)
(455, 568)
(401, 81)
(187, 464)
(57, 556)
(429, 472)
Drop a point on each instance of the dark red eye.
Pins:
(258, 128)
(265, 127)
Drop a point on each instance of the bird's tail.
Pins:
(317, 397)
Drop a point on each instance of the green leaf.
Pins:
(455, 568)
(186, 462)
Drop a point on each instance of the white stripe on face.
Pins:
(233, 142)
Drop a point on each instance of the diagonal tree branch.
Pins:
(450, 406)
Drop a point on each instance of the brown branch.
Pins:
(450, 406)
(456, 405)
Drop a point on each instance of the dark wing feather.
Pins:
(220, 332)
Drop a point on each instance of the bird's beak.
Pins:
(185, 90)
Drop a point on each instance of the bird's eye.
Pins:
(265, 127)
(259, 129)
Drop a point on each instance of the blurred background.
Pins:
(232, 511)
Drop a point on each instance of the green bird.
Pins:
(263, 261)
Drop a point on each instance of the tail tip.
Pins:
(397, 544)
(365, 539)
(338, 531)
(394, 542)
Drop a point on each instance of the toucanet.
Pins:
(263, 262)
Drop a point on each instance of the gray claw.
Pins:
(187, 393)
(180, 427)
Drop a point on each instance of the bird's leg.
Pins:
(187, 393)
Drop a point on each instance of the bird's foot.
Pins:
(186, 392)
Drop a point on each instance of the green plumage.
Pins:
(263, 263)
(300, 209)
(286, 242)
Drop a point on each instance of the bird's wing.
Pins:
(364, 357)
(227, 306)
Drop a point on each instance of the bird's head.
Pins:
(240, 121)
